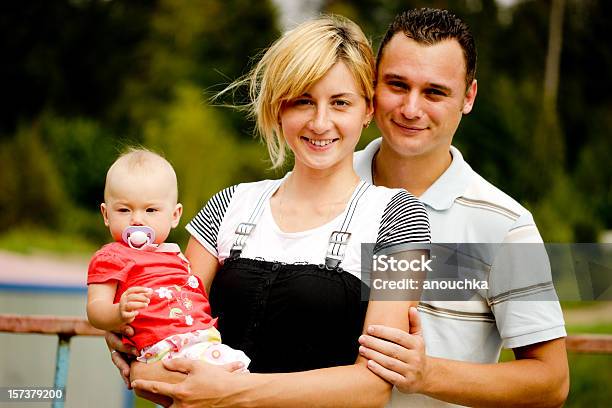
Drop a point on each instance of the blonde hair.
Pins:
(142, 159)
(295, 62)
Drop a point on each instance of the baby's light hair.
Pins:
(140, 159)
(294, 63)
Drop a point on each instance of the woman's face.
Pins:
(322, 126)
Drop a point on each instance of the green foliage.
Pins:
(140, 72)
(28, 240)
(69, 56)
(31, 186)
(562, 217)
(206, 43)
(590, 379)
(84, 151)
(205, 151)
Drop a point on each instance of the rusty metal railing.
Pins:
(63, 327)
(589, 343)
(67, 327)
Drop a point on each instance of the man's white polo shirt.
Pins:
(464, 208)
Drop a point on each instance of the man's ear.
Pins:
(176, 214)
(104, 212)
(470, 97)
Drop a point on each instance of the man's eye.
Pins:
(397, 85)
(435, 92)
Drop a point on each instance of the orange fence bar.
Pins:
(78, 326)
(589, 343)
(64, 325)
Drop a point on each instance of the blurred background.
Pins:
(83, 79)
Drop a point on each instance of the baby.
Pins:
(141, 280)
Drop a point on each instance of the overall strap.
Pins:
(338, 240)
(244, 229)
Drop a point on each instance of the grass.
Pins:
(28, 240)
(590, 374)
(143, 403)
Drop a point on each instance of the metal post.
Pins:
(61, 367)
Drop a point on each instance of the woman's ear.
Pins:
(369, 113)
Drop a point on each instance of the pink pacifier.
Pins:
(138, 236)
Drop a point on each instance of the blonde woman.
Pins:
(282, 258)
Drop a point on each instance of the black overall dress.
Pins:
(290, 317)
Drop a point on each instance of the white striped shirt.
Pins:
(385, 217)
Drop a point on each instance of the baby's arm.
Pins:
(106, 315)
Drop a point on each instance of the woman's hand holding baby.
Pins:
(132, 300)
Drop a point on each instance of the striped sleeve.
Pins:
(404, 221)
(205, 225)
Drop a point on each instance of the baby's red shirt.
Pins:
(178, 304)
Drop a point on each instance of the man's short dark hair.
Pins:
(430, 26)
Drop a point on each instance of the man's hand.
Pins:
(132, 300)
(121, 353)
(205, 384)
(396, 356)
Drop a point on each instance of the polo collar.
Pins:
(451, 185)
(368, 158)
(441, 195)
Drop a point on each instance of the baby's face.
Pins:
(141, 199)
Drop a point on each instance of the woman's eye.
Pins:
(340, 102)
(301, 102)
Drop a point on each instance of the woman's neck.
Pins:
(330, 185)
(309, 198)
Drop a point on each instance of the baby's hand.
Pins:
(132, 300)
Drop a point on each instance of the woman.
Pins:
(283, 257)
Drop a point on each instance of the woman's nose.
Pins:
(321, 122)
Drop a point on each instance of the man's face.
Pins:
(421, 96)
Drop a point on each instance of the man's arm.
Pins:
(539, 377)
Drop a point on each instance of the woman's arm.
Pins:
(203, 264)
(345, 386)
(351, 386)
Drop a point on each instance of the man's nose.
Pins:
(320, 122)
(412, 106)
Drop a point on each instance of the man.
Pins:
(425, 84)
